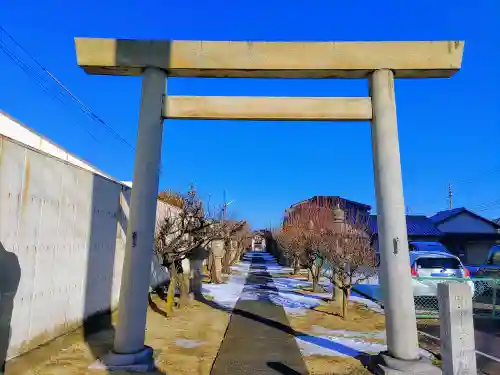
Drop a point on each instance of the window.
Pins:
(438, 263)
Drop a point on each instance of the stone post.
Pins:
(457, 329)
(402, 340)
(218, 254)
(129, 352)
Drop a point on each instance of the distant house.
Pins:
(331, 201)
(420, 228)
(467, 234)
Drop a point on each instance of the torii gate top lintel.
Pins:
(431, 59)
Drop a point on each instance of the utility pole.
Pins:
(224, 206)
(450, 196)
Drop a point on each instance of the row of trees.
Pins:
(191, 234)
(329, 240)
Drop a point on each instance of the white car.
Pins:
(429, 268)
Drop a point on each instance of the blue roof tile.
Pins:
(417, 225)
(443, 215)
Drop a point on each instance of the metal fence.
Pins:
(485, 296)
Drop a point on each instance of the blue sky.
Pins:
(449, 128)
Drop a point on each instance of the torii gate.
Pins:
(379, 62)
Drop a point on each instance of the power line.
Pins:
(40, 82)
(30, 71)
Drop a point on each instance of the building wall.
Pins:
(465, 223)
(62, 237)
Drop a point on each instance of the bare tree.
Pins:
(303, 235)
(347, 251)
(243, 238)
(235, 232)
(177, 236)
(291, 243)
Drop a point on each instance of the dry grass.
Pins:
(318, 365)
(359, 319)
(199, 322)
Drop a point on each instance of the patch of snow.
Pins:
(334, 346)
(343, 333)
(226, 294)
(374, 306)
(186, 343)
(241, 267)
(294, 301)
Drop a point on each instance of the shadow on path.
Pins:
(249, 346)
(259, 338)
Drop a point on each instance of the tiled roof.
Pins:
(416, 225)
(332, 198)
(443, 215)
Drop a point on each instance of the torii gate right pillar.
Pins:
(402, 339)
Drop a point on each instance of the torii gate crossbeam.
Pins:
(379, 62)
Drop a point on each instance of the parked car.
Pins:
(491, 271)
(427, 246)
(437, 265)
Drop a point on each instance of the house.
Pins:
(331, 201)
(420, 228)
(466, 234)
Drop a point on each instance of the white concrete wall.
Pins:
(17, 131)
(64, 225)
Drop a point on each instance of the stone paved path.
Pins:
(259, 339)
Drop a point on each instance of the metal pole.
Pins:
(130, 330)
(402, 339)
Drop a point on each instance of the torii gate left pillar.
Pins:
(380, 62)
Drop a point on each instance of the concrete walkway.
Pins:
(259, 339)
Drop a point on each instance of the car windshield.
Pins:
(439, 263)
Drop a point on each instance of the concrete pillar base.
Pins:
(141, 361)
(384, 364)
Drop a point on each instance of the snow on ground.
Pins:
(186, 343)
(297, 304)
(338, 346)
(284, 291)
(378, 335)
(227, 294)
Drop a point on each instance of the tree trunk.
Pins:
(171, 290)
(236, 256)
(210, 261)
(345, 299)
(296, 266)
(317, 273)
(213, 273)
(336, 291)
(181, 281)
(217, 269)
(315, 282)
(226, 259)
